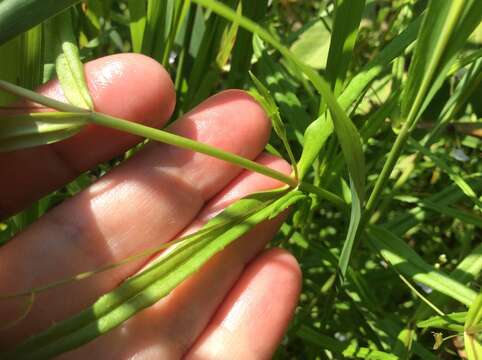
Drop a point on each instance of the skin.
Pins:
(236, 307)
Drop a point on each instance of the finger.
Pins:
(251, 321)
(144, 202)
(168, 329)
(129, 86)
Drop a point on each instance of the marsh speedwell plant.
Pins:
(376, 104)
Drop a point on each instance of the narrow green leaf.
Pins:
(452, 194)
(464, 216)
(473, 348)
(348, 15)
(137, 23)
(473, 329)
(453, 322)
(284, 90)
(269, 105)
(19, 16)
(456, 178)
(345, 130)
(70, 69)
(467, 270)
(407, 262)
(474, 315)
(24, 131)
(155, 28)
(444, 31)
(344, 34)
(243, 47)
(355, 217)
(31, 58)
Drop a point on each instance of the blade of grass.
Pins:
(472, 327)
(138, 15)
(31, 58)
(456, 178)
(407, 262)
(19, 16)
(451, 322)
(243, 47)
(24, 131)
(347, 19)
(264, 97)
(155, 28)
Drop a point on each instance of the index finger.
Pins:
(129, 86)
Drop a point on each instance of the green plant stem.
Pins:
(185, 143)
(387, 169)
(39, 99)
(150, 133)
(324, 194)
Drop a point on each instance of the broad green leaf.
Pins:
(407, 262)
(313, 44)
(70, 69)
(24, 131)
(452, 322)
(138, 14)
(170, 269)
(19, 16)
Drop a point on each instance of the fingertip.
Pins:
(131, 86)
(254, 316)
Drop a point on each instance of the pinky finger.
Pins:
(253, 317)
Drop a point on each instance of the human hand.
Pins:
(236, 307)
